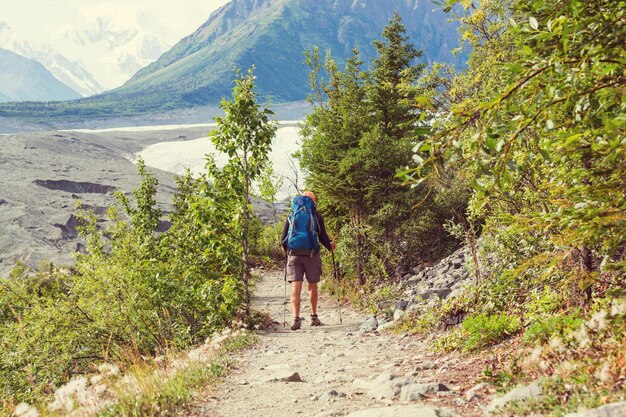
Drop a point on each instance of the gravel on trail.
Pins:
(338, 369)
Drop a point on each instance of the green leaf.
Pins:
(533, 23)
(572, 138)
(424, 102)
(422, 130)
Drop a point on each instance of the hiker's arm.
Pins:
(324, 239)
(283, 237)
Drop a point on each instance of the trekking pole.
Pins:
(285, 288)
(337, 285)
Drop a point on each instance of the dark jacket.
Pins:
(321, 233)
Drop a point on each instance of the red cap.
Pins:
(310, 194)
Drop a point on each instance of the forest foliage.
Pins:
(522, 155)
(362, 130)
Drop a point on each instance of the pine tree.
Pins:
(394, 75)
(360, 133)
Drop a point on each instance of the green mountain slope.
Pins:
(270, 34)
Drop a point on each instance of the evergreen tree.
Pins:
(394, 76)
(360, 133)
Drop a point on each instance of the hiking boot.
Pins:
(314, 320)
(297, 322)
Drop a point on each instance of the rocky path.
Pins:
(341, 370)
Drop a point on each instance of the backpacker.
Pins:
(302, 235)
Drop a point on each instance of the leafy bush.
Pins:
(482, 330)
(133, 293)
(543, 329)
(266, 243)
(583, 363)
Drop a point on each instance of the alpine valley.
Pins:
(272, 35)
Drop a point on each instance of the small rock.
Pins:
(386, 326)
(280, 373)
(398, 314)
(295, 377)
(470, 395)
(382, 321)
(401, 304)
(385, 386)
(412, 410)
(426, 364)
(331, 396)
(520, 393)
(328, 414)
(409, 293)
(369, 325)
(417, 269)
(415, 392)
(442, 292)
(608, 410)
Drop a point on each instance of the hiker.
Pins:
(302, 233)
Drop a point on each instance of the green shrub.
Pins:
(482, 330)
(557, 325)
(134, 293)
(267, 244)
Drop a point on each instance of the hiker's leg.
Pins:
(296, 288)
(313, 297)
(295, 273)
(313, 271)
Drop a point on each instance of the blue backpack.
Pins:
(302, 234)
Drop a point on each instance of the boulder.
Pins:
(435, 292)
(444, 282)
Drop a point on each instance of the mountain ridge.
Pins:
(272, 35)
(274, 27)
(22, 78)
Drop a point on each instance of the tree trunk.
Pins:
(587, 264)
(585, 253)
(359, 247)
(246, 240)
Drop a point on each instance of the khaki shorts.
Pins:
(300, 266)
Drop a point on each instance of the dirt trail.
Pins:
(329, 359)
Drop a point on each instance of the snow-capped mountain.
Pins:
(23, 79)
(96, 45)
(98, 55)
(72, 73)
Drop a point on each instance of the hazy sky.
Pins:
(173, 18)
